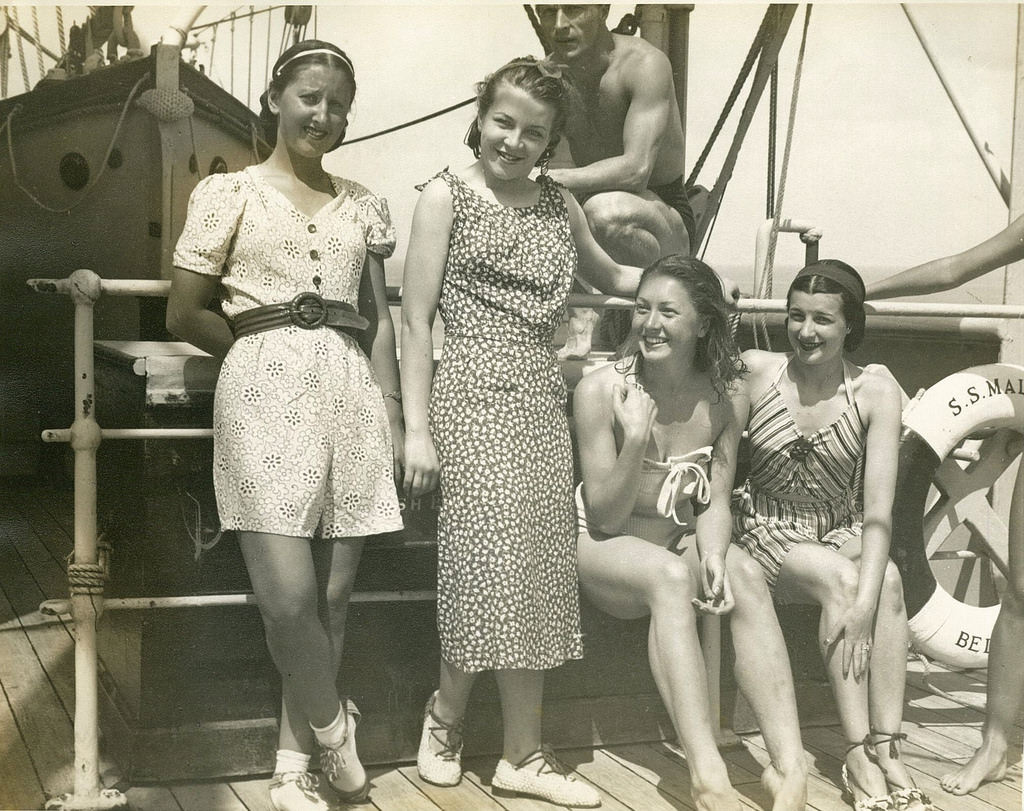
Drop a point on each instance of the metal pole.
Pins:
(1013, 313)
(86, 603)
(679, 56)
(59, 607)
(994, 171)
(809, 233)
(85, 608)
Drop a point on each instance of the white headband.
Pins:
(300, 54)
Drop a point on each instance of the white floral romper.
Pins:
(301, 436)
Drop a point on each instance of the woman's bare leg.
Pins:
(1005, 675)
(284, 580)
(812, 573)
(629, 578)
(765, 679)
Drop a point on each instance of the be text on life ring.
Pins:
(962, 404)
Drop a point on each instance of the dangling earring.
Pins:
(544, 166)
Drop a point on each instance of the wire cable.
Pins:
(415, 121)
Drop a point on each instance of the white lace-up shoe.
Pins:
(444, 767)
(541, 775)
(296, 791)
(340, 764)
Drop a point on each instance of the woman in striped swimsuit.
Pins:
(658, 433)
(815, 512)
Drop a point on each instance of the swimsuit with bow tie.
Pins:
(668, 496)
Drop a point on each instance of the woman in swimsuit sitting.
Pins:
(815, 512)
(658, 433)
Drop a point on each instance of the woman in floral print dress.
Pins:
(495, 252)
(303, 460)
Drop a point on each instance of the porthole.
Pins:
(74, 171)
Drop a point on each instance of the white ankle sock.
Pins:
(288, 760)
(333, 734)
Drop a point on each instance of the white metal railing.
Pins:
(87, 571)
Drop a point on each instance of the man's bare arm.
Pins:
(649, 85)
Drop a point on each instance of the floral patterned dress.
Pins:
(301, 436)
(507, 588)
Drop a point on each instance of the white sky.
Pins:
(879, 160)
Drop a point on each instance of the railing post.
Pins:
(86, 572)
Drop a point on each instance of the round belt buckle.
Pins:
(308, 310)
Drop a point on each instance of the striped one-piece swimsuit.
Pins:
(799, 488)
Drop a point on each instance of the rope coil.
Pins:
(90, 578)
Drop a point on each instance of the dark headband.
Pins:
(840, 273)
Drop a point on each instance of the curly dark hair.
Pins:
(288, 64)
(716, 352)
(542, 80)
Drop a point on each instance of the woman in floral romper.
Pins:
(495, 252)
(303, 460)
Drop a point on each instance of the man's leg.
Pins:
(633, 230)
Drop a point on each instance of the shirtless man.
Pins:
(626, 141)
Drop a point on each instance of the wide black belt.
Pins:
(306, 310)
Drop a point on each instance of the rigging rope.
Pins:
(5, 54)
(103, 167)
(21, 49)
(419, 120)
(266, 57)
(35, 31)
(536, 26)
(773, 125)
(765, 288)
(741, 78)
(231, 31)
(248, 77)
(60, 31)
(213, 45)
(938, 691)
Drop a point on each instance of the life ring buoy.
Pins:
(959, 405)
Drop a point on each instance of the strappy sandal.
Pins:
(902, 796)
(882, 803)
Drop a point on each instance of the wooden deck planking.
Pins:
(822, 793)
(663, 766)
(19, 784)
(36, 695)
(42, 719)
(152, 798)
(206, 796)
(253, 793)
(830, 746)
(466, 796)
(392, 791)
